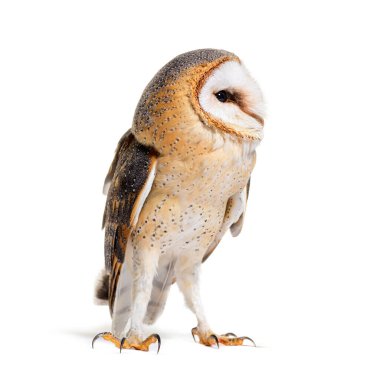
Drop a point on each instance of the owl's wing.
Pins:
(233, 217)
(129, 181)
(124, 142)
(236, 227)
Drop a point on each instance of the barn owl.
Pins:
(179, 180)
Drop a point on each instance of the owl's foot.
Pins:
(132, 342)
(108, 336)
(211, 339)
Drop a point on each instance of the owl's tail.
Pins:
(101, 288)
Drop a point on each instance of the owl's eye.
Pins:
(223, 96)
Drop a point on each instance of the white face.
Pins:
(232, 96)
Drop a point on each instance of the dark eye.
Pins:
(222, 96)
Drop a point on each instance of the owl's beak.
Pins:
(257, 117)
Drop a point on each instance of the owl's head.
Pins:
(211, 87)
(230, 99)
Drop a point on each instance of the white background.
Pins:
(303, 277)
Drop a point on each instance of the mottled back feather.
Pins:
(127, 178)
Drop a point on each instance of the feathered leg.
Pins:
(161, 286)
(188, 282)
(144, 268)
(132, 297)
(121, 307)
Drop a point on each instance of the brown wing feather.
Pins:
(123, 143)
(127, 179)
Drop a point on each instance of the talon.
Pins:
(98, 336)
(249, 339)
(215, 338)
(194, 332)
(229, 334)
(122, 343)
(158, 341)
(228, 339)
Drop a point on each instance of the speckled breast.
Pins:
(187, 203)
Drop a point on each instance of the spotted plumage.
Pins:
(178, 182)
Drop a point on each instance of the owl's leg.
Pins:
(188, 282)
(132, 297)
(144, 265)
(121, 309)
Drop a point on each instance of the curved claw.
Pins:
(249, 339)
(194, 332)
(98, 336)
(229, 334)
(122, 343)
(215, 338)
(158, 341)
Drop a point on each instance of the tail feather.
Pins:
(101, 288)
